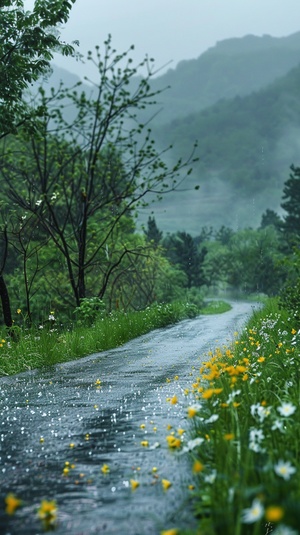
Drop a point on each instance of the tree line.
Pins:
(72, 185)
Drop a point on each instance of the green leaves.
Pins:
(28, 41)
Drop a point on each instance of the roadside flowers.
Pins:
(197, 467)
(105, 469)
(166, 484)
(47, 512)
(12, 504)
(286, 409)
(173, 442)
(253, 513)
(284, 469)
(274, 513)
(134, 484)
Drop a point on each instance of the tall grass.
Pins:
(245, 431)
(50, 344)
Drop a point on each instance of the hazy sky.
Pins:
(172, 30)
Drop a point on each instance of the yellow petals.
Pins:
(134, 484)
(19, 311)
(105, 469)
(12, 503)
(48, 512)
(180, 431)
(166, 484)
(42, 440)
(192, 411)
(229, 436)
(173, 400)
(293, 331)
(173, 442)
(274, 513)
(154, 469)
(142, 426)
(261, 359)
(72, 445)
(66, 471)
(197, 467)
(145, 443)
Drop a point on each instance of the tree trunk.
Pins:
(5, 303)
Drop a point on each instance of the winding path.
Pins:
(60, 426)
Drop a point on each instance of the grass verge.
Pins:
(245, 431)
(51, 344)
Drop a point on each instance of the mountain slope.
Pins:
(245, 148)
(233, 67)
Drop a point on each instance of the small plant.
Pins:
(90, 310)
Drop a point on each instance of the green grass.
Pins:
(38, 347)
(215, 307)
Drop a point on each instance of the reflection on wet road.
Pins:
(60, 426)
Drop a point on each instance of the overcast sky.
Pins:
(172, 30)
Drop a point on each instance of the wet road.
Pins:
(61, 425)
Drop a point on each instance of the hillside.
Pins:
(245, 148)
(233, 67)
(239, 99)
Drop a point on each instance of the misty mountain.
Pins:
(245, 148)
(240, 101)
(233, 67)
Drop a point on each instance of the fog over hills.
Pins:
(240, 100)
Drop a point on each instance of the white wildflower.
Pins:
(284, 469)
(232, 395)
(286, 409)
(253, 513)
(277, 424)
(192, 444)
(210, 478)
(213, 418)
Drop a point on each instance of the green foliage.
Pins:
(38, 347)
(78, 184)
(182, 251)
(28, 42)
(89, 310)
(291, 204)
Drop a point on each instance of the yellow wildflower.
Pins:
(145, 443)
(229, 436)
(197, 467)
(105, 469)
(134, 484)
(19, 311)
(192, 411)
(47, 512)
(173, 531)
(174, 400)
(274, 513)
(173, 442)
(166, 484)
(12, 504)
